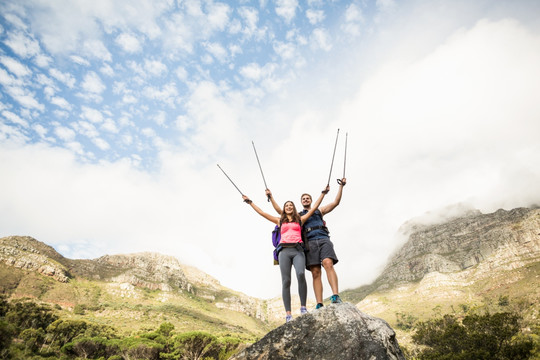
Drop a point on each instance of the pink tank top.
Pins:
(291, 233)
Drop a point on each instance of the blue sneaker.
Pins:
(319, 305)
(288, 318)
(335, 299)
(303, 310)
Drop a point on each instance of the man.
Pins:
(321, 250)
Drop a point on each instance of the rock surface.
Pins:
(337, 331)
(505, 239)
(27, 253)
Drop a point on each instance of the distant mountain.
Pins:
(472, 261)
(130, 291)
(450, 263)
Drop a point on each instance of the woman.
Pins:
(292, 252)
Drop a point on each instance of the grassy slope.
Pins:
(428, 299)
(129, 310)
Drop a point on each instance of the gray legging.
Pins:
(288, 257)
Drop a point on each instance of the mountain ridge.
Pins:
(465, 259)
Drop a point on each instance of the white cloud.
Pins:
(79, 60)
(64, 133)
(217, 51)
(181, 73)
(61, 102)
(49, 92)
(250, 16)
(43, 61)
(7, 79)
(218, 15)
(101, 144)
(106, 69)
(14, 118)
(255, 72)
(129, 43)
(129, 99)
(15, 67)
(24, 97)
(353, 20)
(12, 134)
(41, 130)
(110, 126)
(92, 83)
(315, 16)
(66, 78)
(96, 49)
(321, 39)
(160, 118)
(155, 67)
(22, 45)
(287, 51)
(91, 114)
(86, 129)
(386, 5)
(15, 20)
(46, 81)
(286, 9)
(168, 94)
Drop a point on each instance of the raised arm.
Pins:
(316, 205)
(331, 206)
(274, 203)
(269, 217)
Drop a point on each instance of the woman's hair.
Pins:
(295, 216)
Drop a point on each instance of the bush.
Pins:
(27, 314)
(7, 332)
(475, 337)
(405, 321)
(89, 348)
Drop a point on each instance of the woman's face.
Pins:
(289, 208)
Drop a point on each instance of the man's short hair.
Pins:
(307, 195)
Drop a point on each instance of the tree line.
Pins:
(29, 330)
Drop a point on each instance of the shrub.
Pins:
(475, 337)
(27, 314)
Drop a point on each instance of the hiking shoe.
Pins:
(288, 318)
(319, 305)
(303, 310)
(335, 299)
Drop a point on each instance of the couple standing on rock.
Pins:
(317, 253)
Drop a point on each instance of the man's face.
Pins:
(306, 201)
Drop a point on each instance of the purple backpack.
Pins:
(276, 238)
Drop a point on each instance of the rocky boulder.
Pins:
(337, 331)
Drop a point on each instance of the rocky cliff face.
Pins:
(148, 270)
(27, 253)
(337, 331)
(126, 274)
(501, 240)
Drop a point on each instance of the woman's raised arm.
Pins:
(268, 217)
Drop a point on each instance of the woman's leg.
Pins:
(299, 262)
(285, 264)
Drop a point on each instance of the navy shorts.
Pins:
(319, 250)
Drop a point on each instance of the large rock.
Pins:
(337, 331)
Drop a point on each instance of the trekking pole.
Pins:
(230, 180)
(344, 160)
(260, 168)
(332, 165)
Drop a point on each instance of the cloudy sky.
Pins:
(114, 114)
